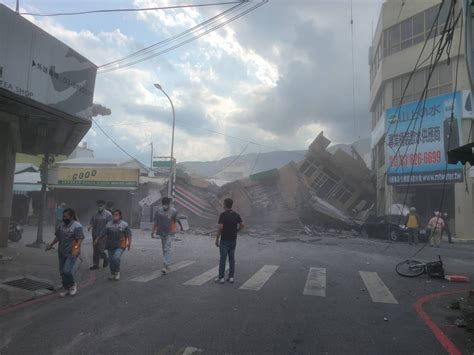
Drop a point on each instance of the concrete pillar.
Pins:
(7, 172)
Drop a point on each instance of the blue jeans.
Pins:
(227, 248)
(166, 245)
(66, 266)
(114, 260)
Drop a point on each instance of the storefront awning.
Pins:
(23, 189)
(462, 154)
(85, 187)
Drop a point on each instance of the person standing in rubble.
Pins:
(446, 227)
(230, 224)
(165, 220)
(412, 224)
(69, 235)
(437, 225)
(98, 223)
(118, 237)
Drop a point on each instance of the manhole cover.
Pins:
(29, 284)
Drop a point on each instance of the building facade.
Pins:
(409, 136)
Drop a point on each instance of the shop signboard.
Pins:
(418, 137)
(37, 66)
(98, 177)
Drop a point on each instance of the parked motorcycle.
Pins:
(14, 232)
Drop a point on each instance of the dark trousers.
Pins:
(448, 233)
(66, 266)
(412, 235)
(99, 253)
(227, 248)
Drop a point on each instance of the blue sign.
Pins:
(418, 137)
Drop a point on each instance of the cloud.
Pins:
(276, 77)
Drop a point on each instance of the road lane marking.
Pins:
(316, 282)
(256, 282)
(377, 289)
(204, 277)
(157, 273)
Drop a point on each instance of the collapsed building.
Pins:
(328, 189)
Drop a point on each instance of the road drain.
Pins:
(26, 283)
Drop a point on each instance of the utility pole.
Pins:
(151, 156)
(44, 186)
(17, 6)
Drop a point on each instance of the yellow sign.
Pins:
(105, 177)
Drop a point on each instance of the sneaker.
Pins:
(105, 263)
(117, 276)
(112, 277)
(165, 270)
(93, 267)
(73, 290)
(219, 281)
(64, 293)
(230, 280)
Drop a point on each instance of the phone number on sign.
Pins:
(433, 157)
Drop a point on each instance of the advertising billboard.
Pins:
(98, 177)
(418, 138)
(36, 65)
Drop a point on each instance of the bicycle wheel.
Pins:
(410, 268)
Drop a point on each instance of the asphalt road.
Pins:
(280, 311)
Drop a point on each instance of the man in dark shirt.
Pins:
(230, 224)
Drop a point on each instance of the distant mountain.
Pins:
(246, 163)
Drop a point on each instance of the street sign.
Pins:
(162, 166)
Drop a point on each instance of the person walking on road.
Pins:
(69, 235)
(118, 237)
(230, 224)
(436, 224)
(97, 224)
(446, 227)
(165, 220)
(412, 224)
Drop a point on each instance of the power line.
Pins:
(129, 9)
(263, 2)
(353, 74)
(115, 143)
(154, 46)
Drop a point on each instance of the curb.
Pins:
(447, 344)
(42, 299)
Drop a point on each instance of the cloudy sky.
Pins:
(277, 76)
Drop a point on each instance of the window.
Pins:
(310, 171)
(381, 153)
(414, 30)
(304, 166)
(407, 33)
(378, 109)
(440, 83)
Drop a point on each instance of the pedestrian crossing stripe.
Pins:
(157, 273)
(377, 289)
(316, 282)
(204, 277)
(256, 282)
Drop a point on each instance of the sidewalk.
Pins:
(456, 340)
(35, 264)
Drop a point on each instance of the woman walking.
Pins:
(69, 235)
(118, 237)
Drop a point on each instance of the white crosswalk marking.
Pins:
(256, 282)
(316, 282)
(377, 289)
(157, 273)
(204, 277)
